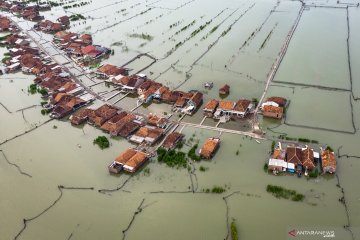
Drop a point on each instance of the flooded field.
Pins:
(56, 179)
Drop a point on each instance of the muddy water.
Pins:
(58, 154)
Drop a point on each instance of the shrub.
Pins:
(102, 142)
(203, 169)
(172, 158)
(272, 146)
(217, 189)
(234, 231)
(280, 192)
(192, 153)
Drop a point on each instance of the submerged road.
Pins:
(278, 61)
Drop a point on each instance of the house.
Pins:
(130, 160)
(107, 70)
(148, 95)
(171, 140)
(5, 24)
(242, 108)
(224, 108)
(294, 155)
(193, 103)
(172, 96)
(307, 159)
(129, 128)
(135, 162)
(93, 52)
(279, 154)
(128, 83)
(102, 114)
(160, 92)
(209, 148)
(81, 116)
(273, 111)
(64, 37)
(148, 135)
(64, 20)
(224, 90)
(121, 160)
(328, 161)
(160, 122)
(121, 123)
(277, 165)
(110, 125)
(278, 100)
(86, 39)
(210, 107)
(65, 106)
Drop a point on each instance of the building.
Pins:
(209, 148)
(106, 71)
(328, 161)
(277, 165)
(210, 107)
(121, 123)
(148, 135)
(193, 103)
(273, 111)
(242, 108)
(224, 108)
(171, 140)
(64, 20)
(160, 122)
(111, 124)
(307, 160)
(130, 160)
(81, 116)
(102, 114)
(294, 155)
(224, 90)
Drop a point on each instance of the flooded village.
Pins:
(191, 127)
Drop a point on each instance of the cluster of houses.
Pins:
(226, 109)
(148, 90)
(274, 107)
(301, 159)
(30, 12)
(48, 26)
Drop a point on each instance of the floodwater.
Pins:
(33, 165)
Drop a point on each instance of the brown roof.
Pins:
(279, 154)
(180, 102)
(120, 124)
(279, 100)
(226, 105)
(110, 125)
(209, 147)
(111, 70)
(294, 155)
(106, 111)
(171, 140)
(197, 98)
(156, 120)
(225, 89)
(136, 160)
(272, 109)
(125, 156)
(149, 132)
(128, 128)
(242, 105)
(328, 161)
(211, 104)
(81, 116)
(308, 158)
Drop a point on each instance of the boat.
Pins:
(209, 85)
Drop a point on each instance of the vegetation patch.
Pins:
(233, 230)
(102, 142)
(203, 169)
(76, 17)
(192, 153)
(144, 36)
(280, 192)
(172, 158)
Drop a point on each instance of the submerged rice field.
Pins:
(54, 177)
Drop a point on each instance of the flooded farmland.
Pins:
(55, 183)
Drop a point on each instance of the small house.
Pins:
(273, 111)
(224, 90)
(210, 107)
(147, 135)
(294, 155)
(308, 158)
(81, 116)
(242, 108)
(109, 70)
(64, 20)
(194, 103)
(209, 148)
(277, 165)
(171, 140)
(328, 161)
